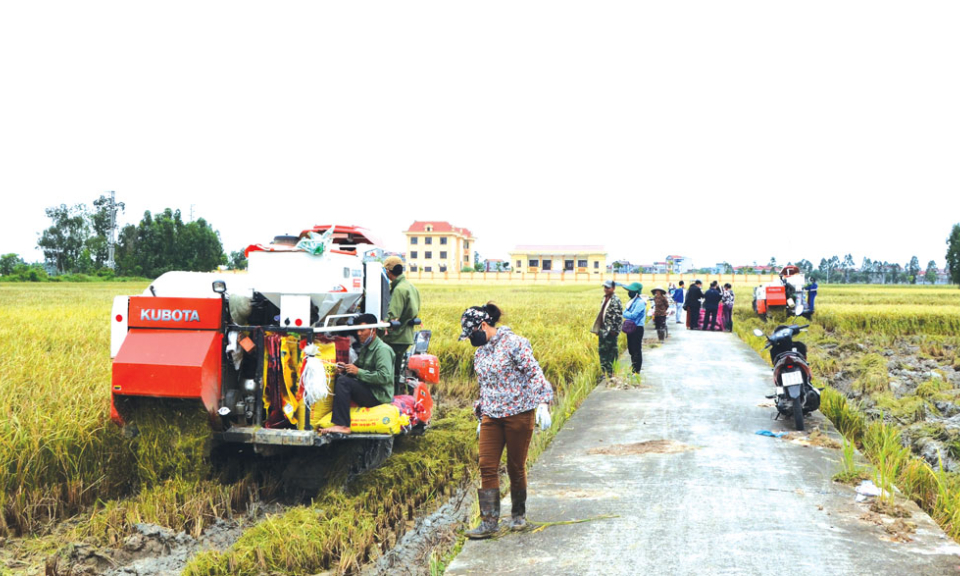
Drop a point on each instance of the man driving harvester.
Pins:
(369, 382)
(404, 307)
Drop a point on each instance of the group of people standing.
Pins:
(716, 304)
(613, 319)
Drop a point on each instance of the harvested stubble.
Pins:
(345, 527)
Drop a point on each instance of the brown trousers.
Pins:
(514, 432)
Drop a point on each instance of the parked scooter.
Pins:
(795, 395)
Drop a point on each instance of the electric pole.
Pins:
(113, 226)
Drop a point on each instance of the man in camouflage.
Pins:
(607, 327)
(404, 306)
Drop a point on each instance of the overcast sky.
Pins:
(723, 131)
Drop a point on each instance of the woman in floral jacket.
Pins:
(514, 396)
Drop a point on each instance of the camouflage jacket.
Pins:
(612, 318)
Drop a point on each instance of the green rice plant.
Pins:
(849, 421)
(883, 445)
(919, 482)
(851, 473)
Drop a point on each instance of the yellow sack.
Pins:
(327, 353)
(290, 362)
(282, 357)
(382, 419)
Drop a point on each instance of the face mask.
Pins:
(478, 338)
(368, 340)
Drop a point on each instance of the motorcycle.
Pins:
(795, 395)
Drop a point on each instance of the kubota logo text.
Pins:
(169, 315)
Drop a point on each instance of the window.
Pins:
(443, 239)
(466, 244)
(568, 265)
(581, 263)
(429, 229)
(413, 254)
(443, 255)
(413, 239)
(428, 240)
(519, 264)
(443, 267)
(596, 263)
(547, 265)
(534, 263)
(466, 259)
(413, 267)
(428, 255)
(428, 269)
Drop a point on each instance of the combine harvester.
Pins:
(783, 296)
(234, 342)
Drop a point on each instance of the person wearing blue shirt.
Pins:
(677, 295)
(811, 289)
(635, 313)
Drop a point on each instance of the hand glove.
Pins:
(543, 416)
(478, 428)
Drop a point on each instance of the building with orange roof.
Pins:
(582, 259)
(438, 246)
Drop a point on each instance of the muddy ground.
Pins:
(157, 551)
(923, 398)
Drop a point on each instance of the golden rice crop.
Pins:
(55, 380)
(67, 454)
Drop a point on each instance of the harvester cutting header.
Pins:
(261, 350)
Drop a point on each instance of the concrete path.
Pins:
(731, 502)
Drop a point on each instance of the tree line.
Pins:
(77, 243)
(835, 270)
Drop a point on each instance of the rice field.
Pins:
(72, 476)
(69, 461)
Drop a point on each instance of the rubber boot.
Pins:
(489, 500)
(518, 510)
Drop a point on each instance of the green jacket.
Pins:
(404, 306)
(376, 369)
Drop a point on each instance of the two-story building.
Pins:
(436, 246)
(585, 259)
(676, 264)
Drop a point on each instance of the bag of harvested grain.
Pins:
(382, 419)
(326, 354)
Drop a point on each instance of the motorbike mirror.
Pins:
(757, 332)
(219, 286)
